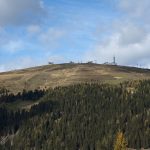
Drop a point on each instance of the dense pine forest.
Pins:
(77, 117)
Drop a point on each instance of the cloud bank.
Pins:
(20, 12)
(130, 39)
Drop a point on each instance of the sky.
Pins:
(34, 32)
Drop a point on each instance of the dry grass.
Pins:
(66, 74)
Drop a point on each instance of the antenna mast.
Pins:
(114, 60)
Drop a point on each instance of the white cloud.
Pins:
(50, 38)
(13, 12)
(33, 29)
(51, 35)
(13, 46)
(132, 34)
(28, 61)
(129, 43)
(130, 39)
(47, 40)
(136, 8)
(2, 68)
(20, 62)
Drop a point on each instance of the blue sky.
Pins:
(33, 32)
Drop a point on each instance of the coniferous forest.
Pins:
(77, 117)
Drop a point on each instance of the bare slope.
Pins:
(65, 74)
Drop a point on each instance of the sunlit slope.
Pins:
(66, 74)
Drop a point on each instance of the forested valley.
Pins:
(77, 117)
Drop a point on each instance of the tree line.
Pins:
(7, 97)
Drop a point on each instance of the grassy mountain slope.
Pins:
(66, 74)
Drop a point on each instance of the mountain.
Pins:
(66, 74)
(75, 107)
